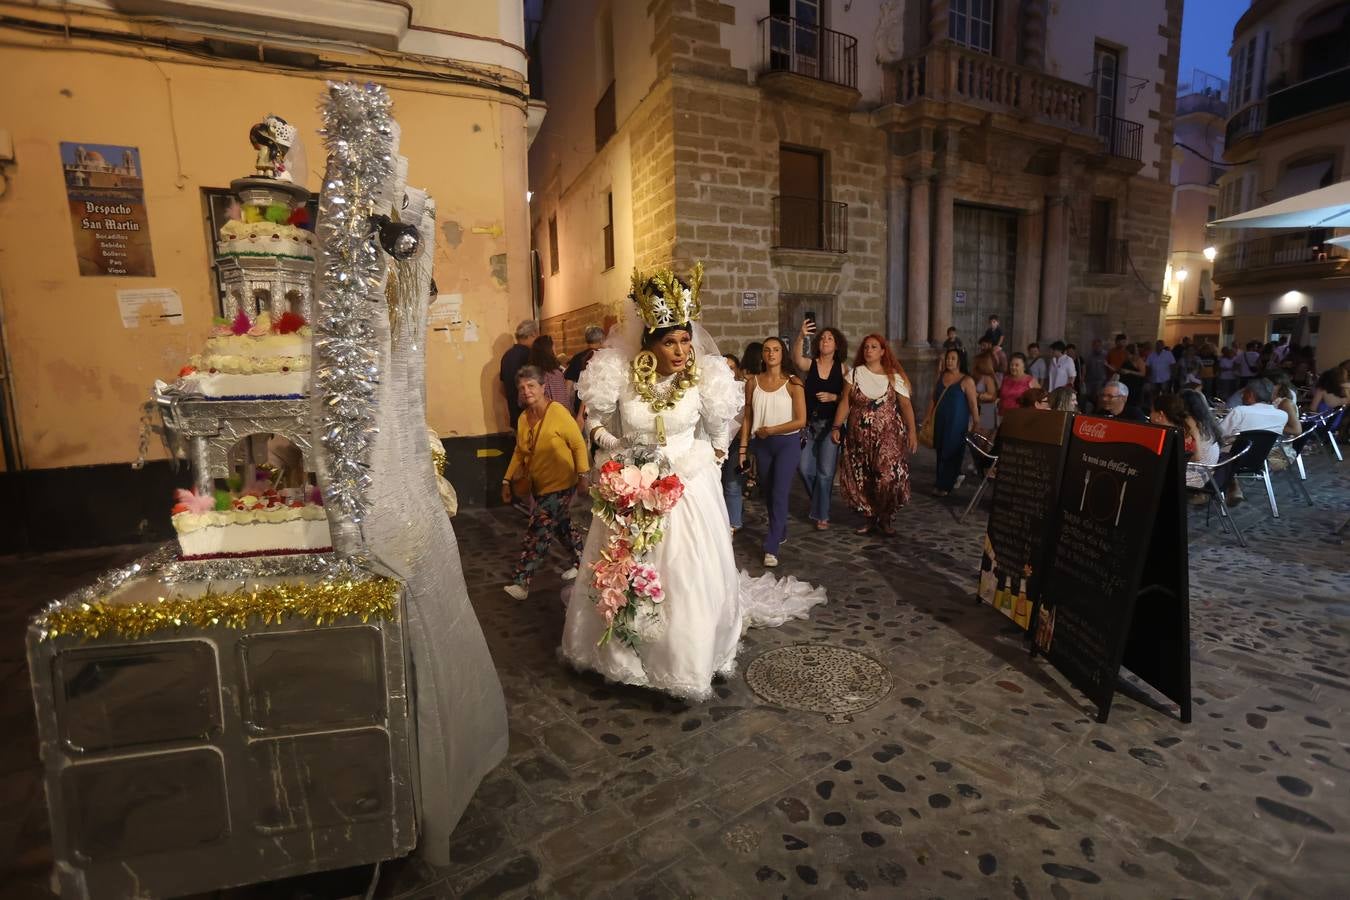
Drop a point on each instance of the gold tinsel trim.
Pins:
(318, 602)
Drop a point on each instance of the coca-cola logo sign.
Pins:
(1093, 430)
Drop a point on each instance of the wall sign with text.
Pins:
(106, 197)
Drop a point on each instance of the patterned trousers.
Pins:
(552, 515)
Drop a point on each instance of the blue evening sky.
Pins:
(1206, 33)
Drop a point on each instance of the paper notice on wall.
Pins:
(150, 306)
(446, 309)
(470, 332)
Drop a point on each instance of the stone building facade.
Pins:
(1288, 132)
(1192, 309)
(899, 168)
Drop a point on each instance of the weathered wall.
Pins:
(79, 376)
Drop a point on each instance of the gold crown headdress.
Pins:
(663, 300)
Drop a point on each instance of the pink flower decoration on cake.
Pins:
(194, 502)
(241, 324)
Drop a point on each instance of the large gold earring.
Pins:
(644, 368)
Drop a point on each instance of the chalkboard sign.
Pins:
(1115, 589)
(1031, 444)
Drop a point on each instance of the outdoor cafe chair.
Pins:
(1255, 464)
(982, 453)
(1211, 490)
(1333, 423)
(1293, 447)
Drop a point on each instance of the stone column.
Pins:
(1026, 314)
(937, 21)
(916, 307)
(1033, 34)
(941, 301)
(896, 217)
(1055, 280)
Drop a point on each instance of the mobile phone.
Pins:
(811, 316)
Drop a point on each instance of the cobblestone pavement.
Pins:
(982, 773)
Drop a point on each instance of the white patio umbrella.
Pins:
(1327, 207)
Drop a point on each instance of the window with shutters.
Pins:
(553, 244)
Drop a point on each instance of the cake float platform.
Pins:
(299, 682)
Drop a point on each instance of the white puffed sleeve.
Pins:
(721, 397)
(599, 388)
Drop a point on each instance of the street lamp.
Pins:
(1210, 253)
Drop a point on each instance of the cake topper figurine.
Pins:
(272, 138)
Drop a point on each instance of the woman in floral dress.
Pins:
(880, 436)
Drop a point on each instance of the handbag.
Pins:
(522, 485)
(927, 429)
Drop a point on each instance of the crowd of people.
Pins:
(812, 414)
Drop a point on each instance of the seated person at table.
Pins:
(1255, 414)
(1114, 403)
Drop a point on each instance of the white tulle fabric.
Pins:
(708, 603)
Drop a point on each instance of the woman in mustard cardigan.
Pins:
(550, 450)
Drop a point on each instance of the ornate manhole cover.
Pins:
(819, 678)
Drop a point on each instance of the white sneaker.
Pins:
(569, 574)
(516, 591)
(960, 480)
(770, 561)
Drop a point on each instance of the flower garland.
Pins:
(633, 495)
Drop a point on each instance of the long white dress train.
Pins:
(707, 603)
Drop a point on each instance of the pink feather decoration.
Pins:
(195, 503)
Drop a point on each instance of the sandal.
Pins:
(822, 525)
(866, 529)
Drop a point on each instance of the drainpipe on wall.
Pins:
(9, 425)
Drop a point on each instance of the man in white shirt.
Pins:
(1061, 370)
(1255, 414)
(1159, 364)
(1036, 363)
(1252, 357)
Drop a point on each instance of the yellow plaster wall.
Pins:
(79, 376)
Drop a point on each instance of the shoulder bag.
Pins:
(522, 484)
(926, 430)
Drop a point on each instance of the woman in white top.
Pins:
(876, 408)
(777, 404)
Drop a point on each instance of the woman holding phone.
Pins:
(824, 372)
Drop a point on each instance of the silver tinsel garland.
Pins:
(358, 132)
(163, 566)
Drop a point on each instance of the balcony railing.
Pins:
(1108, 257)
(805, 223)
(1276, 250)
(1309, 96)
(605, 123)
(791, 45)
(1122, 137)
(950, 72)
(1244, 124)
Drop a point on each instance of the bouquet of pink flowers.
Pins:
(633, 494)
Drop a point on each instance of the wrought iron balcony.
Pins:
(1122, 137)
(791, 45)
(1108, 257)
(948, 72)
(1244, 124)
(1313, 95)
(1301, 249)
(805, 223)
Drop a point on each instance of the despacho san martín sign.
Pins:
(105, 193)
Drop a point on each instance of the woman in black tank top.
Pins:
(824, 375)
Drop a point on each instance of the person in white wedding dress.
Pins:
(686, 409)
